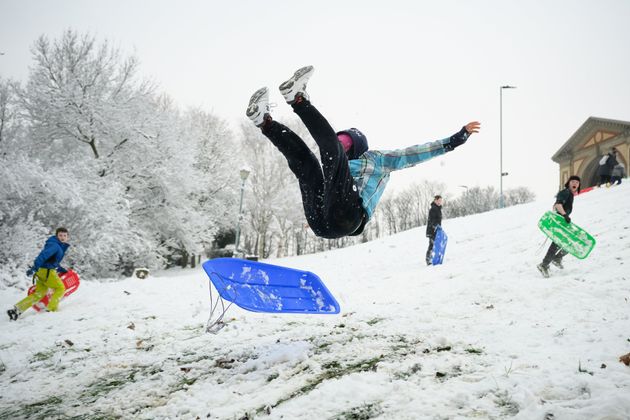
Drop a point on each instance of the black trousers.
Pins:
(554, 253)
(431, 243)
(332, 204)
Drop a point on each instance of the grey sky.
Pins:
(403, 72)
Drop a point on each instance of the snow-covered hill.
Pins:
(482, 336)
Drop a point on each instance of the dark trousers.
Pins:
(553, 254)
(604, 179)
(430, 250)
(332, 204)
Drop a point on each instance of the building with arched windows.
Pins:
(580, 154)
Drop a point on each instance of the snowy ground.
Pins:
(483, 336)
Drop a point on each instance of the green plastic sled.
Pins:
(568, 236)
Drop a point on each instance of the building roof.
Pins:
(591, 125)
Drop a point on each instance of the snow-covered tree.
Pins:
(80, 93)
(135, 180)
(9, 119)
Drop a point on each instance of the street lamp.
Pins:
(501, 143)
(244, 173)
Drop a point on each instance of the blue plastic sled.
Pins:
(439, 246)
(263, 287)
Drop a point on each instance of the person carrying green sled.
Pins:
(564, 207)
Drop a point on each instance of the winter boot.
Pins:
(558, 263)
(258, 108)
(295, 87)
(544, 270)
(14, 313)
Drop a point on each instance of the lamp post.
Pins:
(501, 143)
(244, 173)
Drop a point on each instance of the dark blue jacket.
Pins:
(51, 255)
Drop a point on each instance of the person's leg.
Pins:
(342, 202)
(40, 291)
(560, 254)
(304, 166)
(54, 282)
(552, 253)
(342, 212)
(429, 257)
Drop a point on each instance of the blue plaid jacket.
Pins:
(371, 170)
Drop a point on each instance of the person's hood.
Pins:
(359, 143)
(53, 240)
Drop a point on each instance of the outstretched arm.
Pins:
(411, 156)
(460, 137)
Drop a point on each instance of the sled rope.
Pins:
(215, 326)
(542, 246)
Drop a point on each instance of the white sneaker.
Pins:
(296, 85)
(258, 106)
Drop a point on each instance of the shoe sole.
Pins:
(545, 274)
(299, 73)
(252, 108)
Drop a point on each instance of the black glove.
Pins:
(566, 218)
(61, 270)
(457, 139)
(30, 272)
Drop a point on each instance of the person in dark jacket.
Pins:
(564, 207)
(435, 220)
(340, 193)
(45, 270)
(618, 172)
(606, 165)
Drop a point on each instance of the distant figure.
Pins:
(44, 270)
(340, 193)
(434, 221)
(618, 172)
(564, 207)
(606, 165)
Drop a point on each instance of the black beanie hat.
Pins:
(359, 143)
(573, 178)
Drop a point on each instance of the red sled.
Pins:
(70, 279)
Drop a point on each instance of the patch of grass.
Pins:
(272, 377)
(584, 370)
(188, 359)
(183, 383)
(473, 350)
(107, 384)
(42, 355)
(48, 408)
(362, 412)
(417, 367)
(331, 365)
(375, 321)
(503, 400)
(333, 370)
